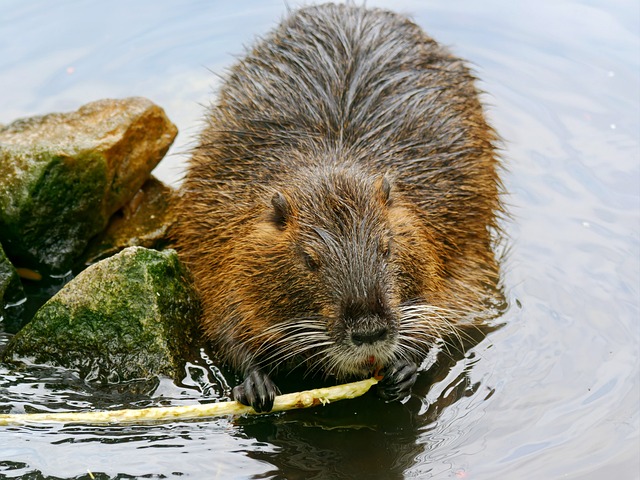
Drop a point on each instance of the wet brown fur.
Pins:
(350, 123)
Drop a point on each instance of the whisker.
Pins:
(284, 357)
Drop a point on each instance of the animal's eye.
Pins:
(310, 261)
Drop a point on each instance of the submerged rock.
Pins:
(144, 221)
(11, 294)
(130, 316)
(63, 175)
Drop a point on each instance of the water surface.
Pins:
(554, 393)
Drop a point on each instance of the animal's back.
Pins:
(346, 84)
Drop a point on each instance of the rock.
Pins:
(11, 295)
(63, 175)
(9, 280)
(144, 222)
(130, 316)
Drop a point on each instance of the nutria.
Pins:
(339, 209)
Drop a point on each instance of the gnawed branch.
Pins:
(289, 401)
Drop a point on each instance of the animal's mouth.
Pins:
(346, 358)
(370, 361)
(370, 364)
(374, 367)
(367, 363)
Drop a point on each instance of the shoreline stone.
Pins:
(130, 316)
(11, 295)
(144, 221)
(63, 175)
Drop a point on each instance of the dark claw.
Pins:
(397, 381)
(257, 391)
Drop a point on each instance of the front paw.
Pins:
(257, 391)
(397, 380)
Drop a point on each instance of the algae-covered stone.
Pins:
(130, 316)
(63, 175)
(11, 293)
(144, 221)
(10, 287)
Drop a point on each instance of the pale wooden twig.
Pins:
(309, 398)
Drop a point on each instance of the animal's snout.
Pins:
(367, 319)
(369, 336)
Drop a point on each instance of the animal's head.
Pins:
(329, 270)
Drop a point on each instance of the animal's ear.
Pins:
(281, 209)
(384, 189)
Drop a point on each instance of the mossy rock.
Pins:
(11, 295)
(63, 175)
(143, 222)
(130, 316)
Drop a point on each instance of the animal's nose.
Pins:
(370, 337)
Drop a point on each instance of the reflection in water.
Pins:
(365, 438)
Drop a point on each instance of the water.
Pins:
(555, 393)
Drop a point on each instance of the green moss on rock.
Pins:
(144, 222)
(131, 316)
(62, 176)
(53, 208)
(11, 293)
